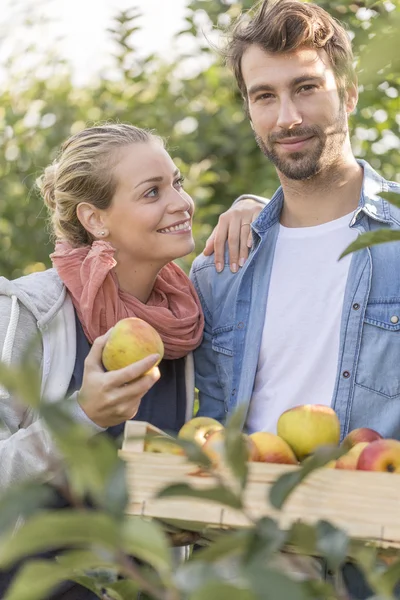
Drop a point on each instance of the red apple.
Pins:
(272, 449)
(130, 340)
(361, 434)
(380, 455)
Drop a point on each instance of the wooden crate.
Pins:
(365, 504)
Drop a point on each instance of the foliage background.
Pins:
(192, 101)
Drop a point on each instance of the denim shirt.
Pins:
(367, 385)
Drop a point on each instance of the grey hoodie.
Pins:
(32, 305)
(37, 304)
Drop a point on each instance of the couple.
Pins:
(294, 325)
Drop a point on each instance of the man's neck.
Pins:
(333, 193)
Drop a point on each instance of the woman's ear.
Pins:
(92, 220)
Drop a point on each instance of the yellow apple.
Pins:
(350, 459)
(130, 340)
(214, 447)
(380, 455)
(199, 429)
(308, 426)
(162, 444)
(361, 434)
(272, 449)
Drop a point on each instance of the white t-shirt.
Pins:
(300, 341)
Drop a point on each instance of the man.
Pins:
(296, 325)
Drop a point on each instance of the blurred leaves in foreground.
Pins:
(93, 542)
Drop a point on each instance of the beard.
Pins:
(325, 148)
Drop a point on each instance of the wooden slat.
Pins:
(365, 504)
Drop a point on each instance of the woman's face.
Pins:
(150, 216)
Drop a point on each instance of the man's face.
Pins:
(298, 116)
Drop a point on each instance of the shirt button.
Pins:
(346, 374)
(233, 391)
(394, 319)
(356, 306)
(240, 325)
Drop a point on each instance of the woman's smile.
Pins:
(178, 228)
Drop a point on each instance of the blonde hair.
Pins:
(83, 172)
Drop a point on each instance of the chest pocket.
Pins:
(379, 360)
(222, 344)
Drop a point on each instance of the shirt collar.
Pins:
(370, 203)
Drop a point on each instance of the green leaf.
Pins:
(303, 537)
(23, 382)
(116, 495)
(266, 539)
(284, 485)
(271, 585)
(86, 559)
(194, 453)
(36, 580)
(372, 238)
(228, 543)
(219, 493)
(236, 448)
(125, 589)
(22, 500)
(146, 541)
(332, 543)
(92, 462)
(60, 529)
(387, 581)
(391, 197)
(222, 591)
(194, 574)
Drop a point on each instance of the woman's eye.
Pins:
(152, 193)
(179, 182)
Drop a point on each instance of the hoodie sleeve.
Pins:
(27, 450)
(26, 447)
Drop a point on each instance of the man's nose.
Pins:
(289, 115)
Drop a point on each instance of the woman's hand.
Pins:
(233, 226)
(110, 398)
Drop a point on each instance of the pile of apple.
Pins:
(300, 431)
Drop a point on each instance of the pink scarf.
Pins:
(173, 308)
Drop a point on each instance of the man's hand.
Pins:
(233, 226)
(110, 398)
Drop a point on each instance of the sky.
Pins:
(78, 28)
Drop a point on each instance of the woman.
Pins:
(120, 217)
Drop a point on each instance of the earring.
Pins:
(102, 233)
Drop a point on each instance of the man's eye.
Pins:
(264, 97)
(307, 88)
